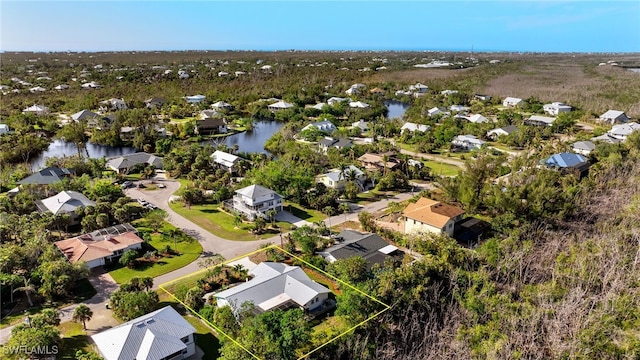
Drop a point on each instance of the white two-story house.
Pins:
(254, 201)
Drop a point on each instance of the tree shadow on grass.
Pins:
(70, 345)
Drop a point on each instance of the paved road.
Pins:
(211, 244)
(441, 159)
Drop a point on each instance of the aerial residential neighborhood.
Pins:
(319, 204)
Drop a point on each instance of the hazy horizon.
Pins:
(454, 26)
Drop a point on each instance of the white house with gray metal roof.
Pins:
(274, 285)
(162, 334)
(614, 116)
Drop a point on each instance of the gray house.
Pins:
(274, 285)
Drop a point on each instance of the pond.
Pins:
(251, 141)
(61, 148)
(396, 109)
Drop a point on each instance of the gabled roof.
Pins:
(337, 175)
(281, 105)
(84, 114)
(63, 202)
(151, 337)
(565, 160)
(541, 119)
(272, 285)
(611, 114)
(369, 246)
(624, 130)
(415, 127)
(358, 104)
(584, 145)
(224, 157)
(477, 118)
(378, 160)
(256, 191)
(431, 212)
(46, 176)
(128, 161)
(512, 100)
(507, 129)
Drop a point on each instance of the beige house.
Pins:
(432, 216)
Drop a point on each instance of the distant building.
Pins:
(556, 108)
(512, 102)
(614, 116)
(583, 147)
(569, 163)
(46, 176)
(503, 131)
(325, 126)
(538, 120)
(337, 179)
(36, 110)
(467, 142)
(225, 160)
(123, 164)
(280, 105)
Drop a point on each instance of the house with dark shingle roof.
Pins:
(432, 216)
(125, 163)
(162, 334)
(370, 246)
(46, 176)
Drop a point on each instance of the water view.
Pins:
(396, 109)
(61, 148)
(251, 141)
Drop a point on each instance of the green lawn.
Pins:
(303, 213)
(74, 338)
(220, 223)
(204, 338)
(189, 251)
(440, 168)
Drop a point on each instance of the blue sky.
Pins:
(556, 26)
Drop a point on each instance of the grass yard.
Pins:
(327, 329)
(189, 251)
(440, 168)
(220, 223)
(204, 338)
(303, 213)
(74, 338)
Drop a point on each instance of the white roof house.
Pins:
(162, 334)
(337, 179)
(36, 110)
(221, 105)
(63, 202)
(358, 104)
(324, 125)
(334, 100)
(61, 87)
(194, 99)
(280, 105)
(512, 101)
(622, 131)
(614, 116)
(84, 115)
(419, 88)
(458, 108)
(448, 92)
(436, 111)
(4, 129)
(503, 131)
(583, 147)
(274, 285)
(477, 118)
(555, 108)
(411, 127)
(467, 142)
(37, 89)
(540, 120)
(114, 104)
(225, 159)
(360, 124)
(254, 201)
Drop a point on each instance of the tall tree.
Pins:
(82, 313)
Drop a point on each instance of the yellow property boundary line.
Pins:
(275, 247)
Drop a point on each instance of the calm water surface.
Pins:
(61, 148)
(251, 141)
(396, 109)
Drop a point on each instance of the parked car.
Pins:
(127, 184)
(141, 185)
(143, 202)
(151, 206)
(162, 186)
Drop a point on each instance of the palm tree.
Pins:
(28, 289)
(146, 282)
(82, 313)
(271, 214)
